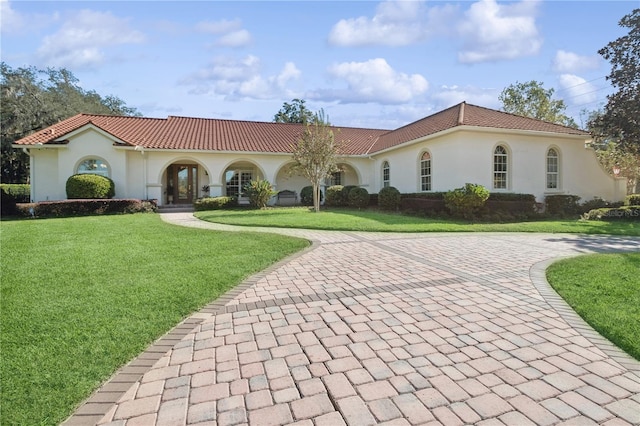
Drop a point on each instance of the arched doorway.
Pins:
(182, 183)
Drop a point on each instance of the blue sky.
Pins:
(367, 64)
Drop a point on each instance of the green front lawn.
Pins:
(604, 289)
(82, 296)
(375, 221)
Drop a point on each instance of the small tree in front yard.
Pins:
(315, 155)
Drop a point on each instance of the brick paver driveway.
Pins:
(399, 329)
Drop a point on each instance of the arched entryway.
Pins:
(181, 183)
(236, 176)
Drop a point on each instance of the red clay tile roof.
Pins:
(465, 114)
(205, 134)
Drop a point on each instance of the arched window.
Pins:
(425, 172)
(553, 169)
(500, 167)
(386, 175)
(94, 166)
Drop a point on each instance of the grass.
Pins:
(83, 296)
(376, 221)
(604, 289)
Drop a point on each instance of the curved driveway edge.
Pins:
(373, 328)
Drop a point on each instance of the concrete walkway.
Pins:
(379, 328)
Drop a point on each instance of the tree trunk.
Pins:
(316, 197)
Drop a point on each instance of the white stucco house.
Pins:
(174, 160)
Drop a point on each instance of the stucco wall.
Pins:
(462, 156)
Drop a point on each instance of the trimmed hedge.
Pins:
(467, 200)
(631, 213)
(90, 186)
(214, 203)
(562, 204)
(632, 200)
(86, 207)
(358, 198)
(334, 196)
(389, 198)
(306, 196)
(21, 192)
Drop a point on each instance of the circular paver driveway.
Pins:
(372, 328)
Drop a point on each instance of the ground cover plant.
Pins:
(82, 296)
(604, 290)
(378, 221)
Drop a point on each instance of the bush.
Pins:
(334, 196)
(21, 192)
(593, 204)
(632, 200)
(345, 193)
(214, 203)
(359, 198)
(306, 196)
(259, 192)
(89, 186)
(561, 205)
(609, 214)
(389, 198)
(8, 206)
(86, 207)
(466, 201)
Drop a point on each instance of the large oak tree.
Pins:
(33, 99)
(531, 99)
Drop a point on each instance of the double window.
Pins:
(335, 179)
(500, 167)
(236, 181)
(425, 172)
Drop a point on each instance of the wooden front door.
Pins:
(182, 186)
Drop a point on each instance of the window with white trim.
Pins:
(425, 172)
(236, 181)
(335, 179)
(500, 167)
(386, 175)
(553, 169)
(94, 166)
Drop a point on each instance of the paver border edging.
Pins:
(538, 275)
(98, 404)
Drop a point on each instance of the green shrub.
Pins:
(593, 204)
(425, 195)
(214, 203)
(259, 192)
(334, 196)
(632, 200)
(90, 186)
(345, 193)
(467, 200)
(561, 205)
(306, 196)
(389, 198)
(84, 207)
(8, 206)
(611, 214)
(21, 192)
(359, 198)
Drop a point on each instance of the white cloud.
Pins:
(83, 39)
(493, 32)
(373, 81)
(578, 90)
(396, 23)
(569, 62)
(238, 38)
(242, 78)
(230, 33)
(11, 21)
